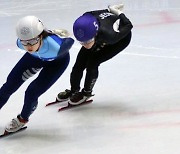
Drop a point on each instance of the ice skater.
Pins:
(47, 53)
(103, 34)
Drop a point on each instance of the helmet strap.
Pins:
(40, 43)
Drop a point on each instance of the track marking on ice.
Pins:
(137, 54)
(166, 18)
(175, 111)
(146, 55)
(154, 125)
(15, 10)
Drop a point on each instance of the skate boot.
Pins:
(64, 96)
(15, 124)
(80, 97)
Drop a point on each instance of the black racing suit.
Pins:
(113, 36)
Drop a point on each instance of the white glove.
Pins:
(116, 9)
(61, 32)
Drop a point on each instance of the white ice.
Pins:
(136, 108)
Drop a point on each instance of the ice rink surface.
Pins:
(136, 108)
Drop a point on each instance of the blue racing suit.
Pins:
(51, 60)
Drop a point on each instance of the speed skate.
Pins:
(5, 134)
(68, 105)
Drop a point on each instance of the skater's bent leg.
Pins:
(14, 81)
(90, 79)
(30, 102)
(97, 58)
(47, 77)
(26, 67)
(7, 90)
(78, 68)
(75, 78)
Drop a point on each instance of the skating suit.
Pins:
(113, 36)
(50, 61)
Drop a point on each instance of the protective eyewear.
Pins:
(30, 42)
(87, 42)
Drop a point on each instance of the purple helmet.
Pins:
(85, 27)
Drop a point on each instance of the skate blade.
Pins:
(11, 133)
(69, 106)
(55, 102)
